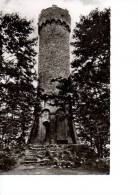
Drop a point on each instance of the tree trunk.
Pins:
(70, 122)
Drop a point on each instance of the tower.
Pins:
(54, 55)
(54, 62)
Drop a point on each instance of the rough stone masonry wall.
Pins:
(54, 54)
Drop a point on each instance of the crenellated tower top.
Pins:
(55, 14)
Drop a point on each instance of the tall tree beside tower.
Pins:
(91, 78)
(17, 75)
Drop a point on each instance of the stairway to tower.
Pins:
(34, 154)
(63, 155)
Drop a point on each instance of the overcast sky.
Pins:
(32, 8)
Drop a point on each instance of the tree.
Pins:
(91, 78)
(17, 75)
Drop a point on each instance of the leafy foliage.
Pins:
(91, 78)
(17, 76)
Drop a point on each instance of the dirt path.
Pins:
(49, 171)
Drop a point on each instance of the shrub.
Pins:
(6, 162)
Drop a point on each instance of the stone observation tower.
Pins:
(53, 125)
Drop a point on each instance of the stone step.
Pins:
(35, 153)
(31, 154)
(35, 161)
(30, 159)
(40, 148)
(36, 156)
(29, 162)
(35, 150)
(37, 147)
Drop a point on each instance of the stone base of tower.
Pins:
(53, 126)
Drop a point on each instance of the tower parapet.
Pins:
(56, 15)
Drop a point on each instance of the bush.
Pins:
(6, 162)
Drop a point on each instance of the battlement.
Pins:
(56, 15)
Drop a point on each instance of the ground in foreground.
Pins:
(31, 170)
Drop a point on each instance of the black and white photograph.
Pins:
(54, 88)
(68, 97)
